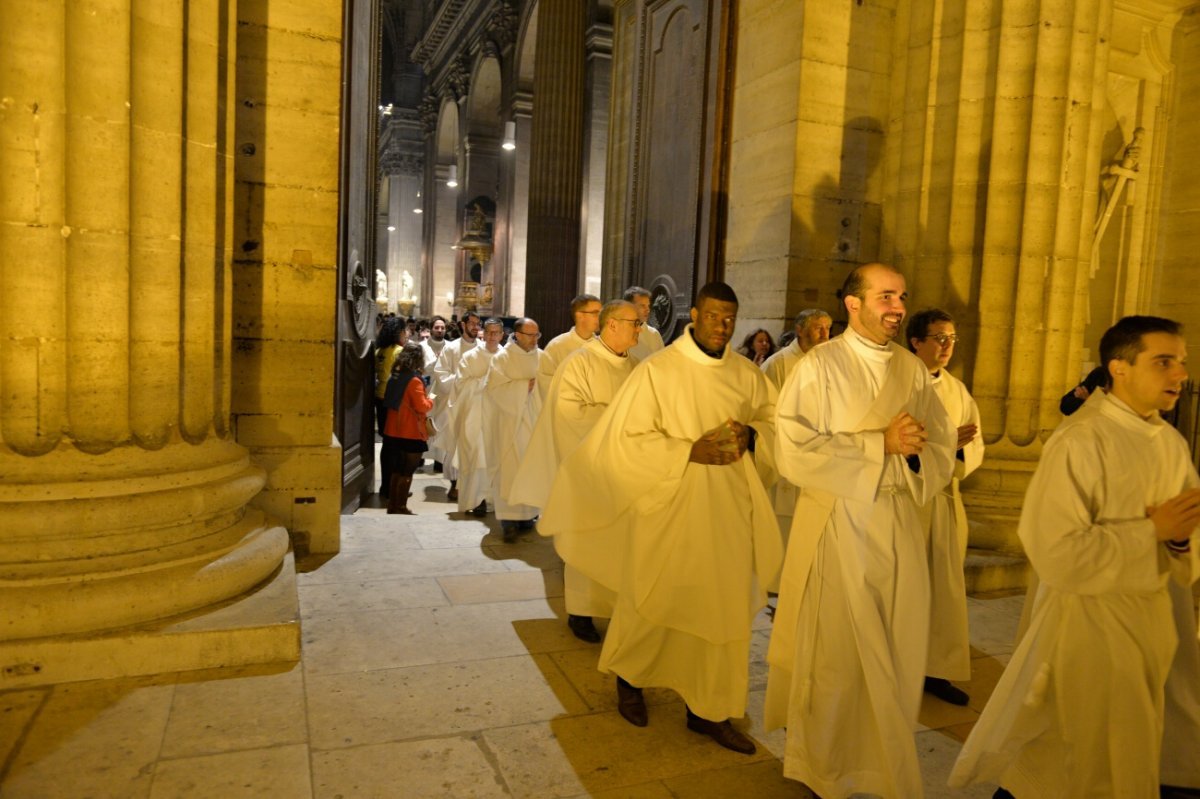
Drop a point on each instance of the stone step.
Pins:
(259, 627)
(987, 570)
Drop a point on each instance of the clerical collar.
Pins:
(610, 349)
(715, 355)
(866, 342)
(1121, 410)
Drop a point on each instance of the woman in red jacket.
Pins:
(404, 435)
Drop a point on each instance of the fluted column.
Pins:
(122, 497)
(992, 169)
(556, 166)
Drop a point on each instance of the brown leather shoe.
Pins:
(722, 732)
(631, 705)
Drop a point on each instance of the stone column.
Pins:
(556, 168)
(992, 166)
(123, 498)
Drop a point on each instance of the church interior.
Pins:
(205, 206)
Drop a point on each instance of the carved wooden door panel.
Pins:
(676, 54)
(354, 404)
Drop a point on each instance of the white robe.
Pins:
(650, 341)
(946, 543)
(783, 494)
(445, 373)
(511, 410)
(557, 350)
(780, 365)
(467, 413)
(847, 653)
(687, 547)
(1079, 709)
(583, 387)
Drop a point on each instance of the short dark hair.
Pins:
(918, 324)
(1123, 341)
(856, 281)
(635, 291)
(468, 314)
(716, 290)
(437, 318)
(582, 300)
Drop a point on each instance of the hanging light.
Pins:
(418, 209)
(452, 176)
(510, 135)
(391, 228)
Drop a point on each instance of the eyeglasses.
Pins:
(590, 313)
(536, 336)
(634, 322)
(944, 338)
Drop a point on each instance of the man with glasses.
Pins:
(582, 388)
(651, 340)
(585, 312)
(664, 504)
(931, 337)
(511, 407)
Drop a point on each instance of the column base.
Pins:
(261, 626)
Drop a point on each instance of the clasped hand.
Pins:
(904, 436)
(721, 445)
(1177, 517)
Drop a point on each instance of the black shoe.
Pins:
(508, 530)
(946, 692)
(722, 732)
(437, 467)
(631, 705)
(479, 510)
(525, 525)
(1002, 794)
(584, 628)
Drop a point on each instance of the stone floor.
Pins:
(436, 663)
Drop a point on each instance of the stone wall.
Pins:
(285, 259)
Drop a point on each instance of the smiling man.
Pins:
(862, 433)
(664, 504)
(1109, 518)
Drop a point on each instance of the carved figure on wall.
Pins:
(406, 285)
(1114, 176)
(380, 285)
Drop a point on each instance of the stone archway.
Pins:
(442, 260)
(484, 171)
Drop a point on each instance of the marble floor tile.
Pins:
(418, 636)
(597, 689)
(241, 709)
(762, 780)
(993, 627)
(376, 533)
(647, 790)
(17, 709)
(281, 771)
(935, 714)
(937, 753)
(575, 755)
(436, 768)
(93, 739)
(470, 589)
(468, 533)
(390, 564)
(330, 599)
(430, 701)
